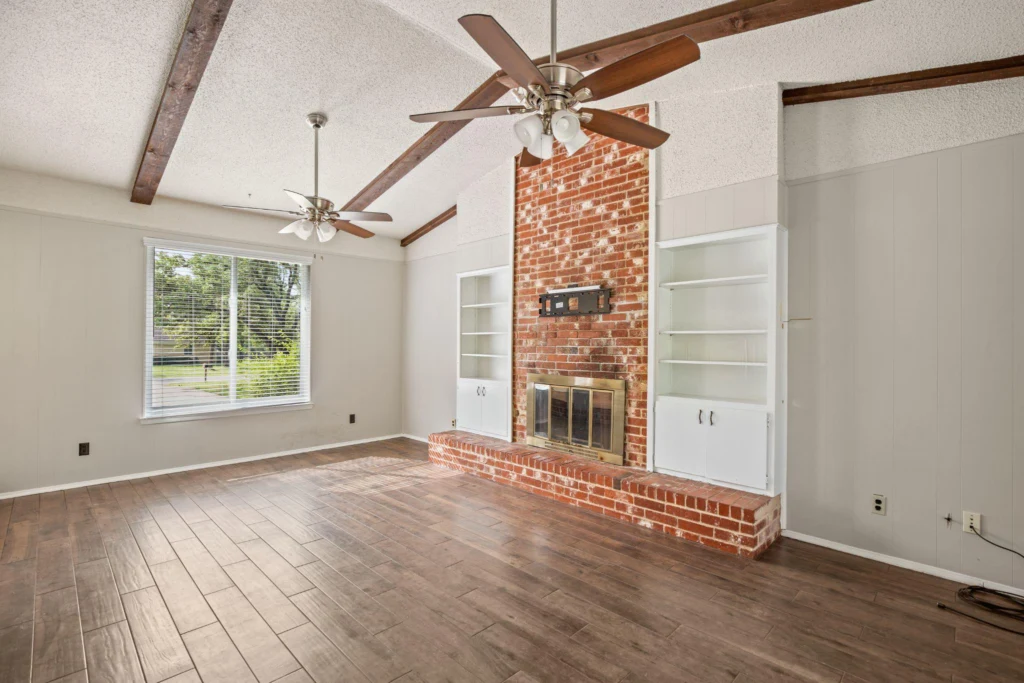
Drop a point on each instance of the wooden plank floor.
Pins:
(368, 564)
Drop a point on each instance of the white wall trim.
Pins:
(415, 438)
(198, 466)
(900, 562)
(652, 286)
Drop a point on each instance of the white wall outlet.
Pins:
(972, 518)
(879, 504)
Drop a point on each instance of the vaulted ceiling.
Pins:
(81, 79)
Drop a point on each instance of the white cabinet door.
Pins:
(680, 436)
(494, 410)
(737, 447)
(468, 405)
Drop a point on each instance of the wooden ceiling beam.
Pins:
(434, 222)
(958, 74)
(202, 30)
(731, 18)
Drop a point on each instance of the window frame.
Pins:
(233, 406)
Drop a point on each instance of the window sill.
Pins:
(229, 412)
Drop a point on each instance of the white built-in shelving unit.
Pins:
(719, 357)
(485, 344)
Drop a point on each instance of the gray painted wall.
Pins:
(909, 381)
(429, 344)
(71, 358)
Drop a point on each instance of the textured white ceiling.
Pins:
(80, 81)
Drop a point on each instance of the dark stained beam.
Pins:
(731, 18)
(445, 216)
(959, 74)
(713, 23)
(197, 42)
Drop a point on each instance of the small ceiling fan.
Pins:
(317, 213)
(553, 93)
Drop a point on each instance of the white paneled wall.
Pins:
(909, 380)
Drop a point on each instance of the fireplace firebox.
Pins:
(578, 415)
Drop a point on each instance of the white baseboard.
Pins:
(900, 562)
(415, 438)
(186, 468)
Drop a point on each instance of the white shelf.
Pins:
(674, 332)
(755, 364)
(717, 282)
(493, 304)
(485, 355)
(483, 334)
(716, 399)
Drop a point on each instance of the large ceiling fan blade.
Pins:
(505, 51)
(623, 128)
(351, 229)
(463, 114)
(256, 208)
(527, 159)
(300, 199)
(361, 216)
(644, 66)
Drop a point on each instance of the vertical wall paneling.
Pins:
(987, 354)
(19, 347)
(873, 326)
(909, 380)
(915, 356)
(1018, 357)
(948, 332)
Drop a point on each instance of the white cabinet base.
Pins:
(482, 407)
(712, 441)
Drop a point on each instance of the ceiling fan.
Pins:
(553, 93)
(317, 213)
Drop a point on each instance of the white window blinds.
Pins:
(225, 329)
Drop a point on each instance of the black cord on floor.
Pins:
(998, 602)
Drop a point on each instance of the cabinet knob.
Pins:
(700, 416)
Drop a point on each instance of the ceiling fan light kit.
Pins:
(553, 94)
(318, 213)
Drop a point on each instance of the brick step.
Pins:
(732, 521)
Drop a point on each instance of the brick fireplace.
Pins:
(584, 220)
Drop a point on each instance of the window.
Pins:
(225, 329)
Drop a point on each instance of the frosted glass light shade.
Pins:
(325, 232)
(528, 130)
(564, 125)
(577, 142)
(543, 147)
(303, 229)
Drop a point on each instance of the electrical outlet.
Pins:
(83, 448)
(879, 503)
(352, 419)
(972, 519)
(453, 422)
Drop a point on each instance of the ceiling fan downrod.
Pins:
(317, 121)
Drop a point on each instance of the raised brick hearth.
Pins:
(732, 521)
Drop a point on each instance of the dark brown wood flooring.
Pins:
(368, 564)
